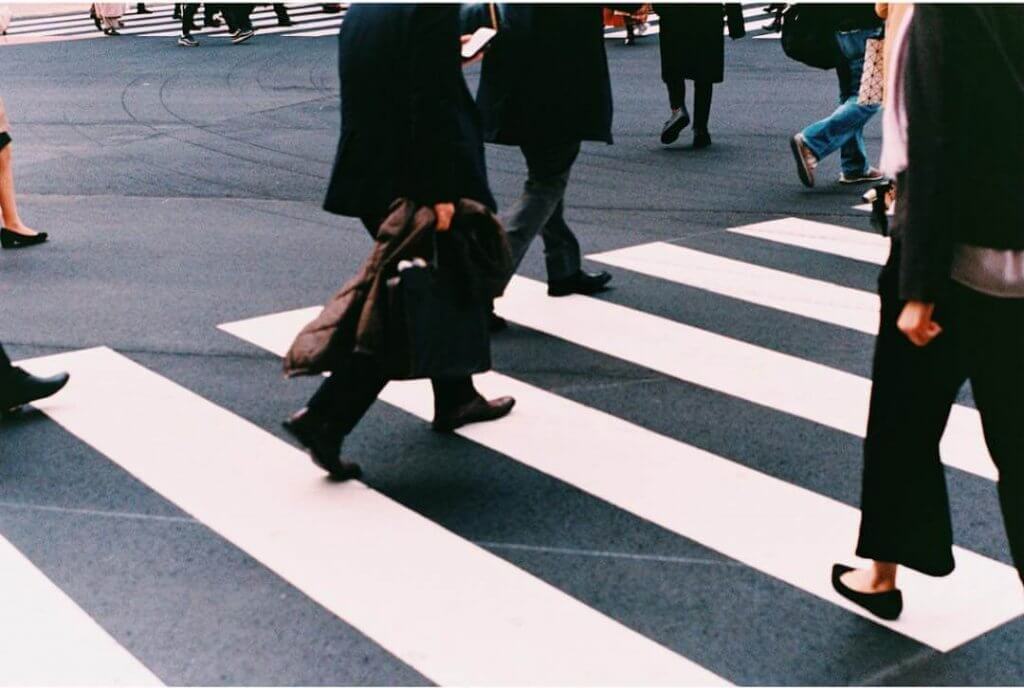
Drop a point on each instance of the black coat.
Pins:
(545, 80)
(965, 139)
(691, 41)
(409, 127)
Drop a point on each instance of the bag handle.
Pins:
(494, 15)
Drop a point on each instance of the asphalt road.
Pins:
(182, 191)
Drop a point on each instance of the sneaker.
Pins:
(243, 36)
(805, 160)
(187, 42)
(871, 174)
(674, 125)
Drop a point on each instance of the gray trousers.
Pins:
(540, 209)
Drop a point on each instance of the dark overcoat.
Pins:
(409, 126)
(545, 80)
(691, 40)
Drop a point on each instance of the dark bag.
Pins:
(808, 36)
(434, 328)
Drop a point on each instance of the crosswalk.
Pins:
(309, 21)
(459, 613)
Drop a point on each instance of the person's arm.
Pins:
(435, 38)
(932, 134)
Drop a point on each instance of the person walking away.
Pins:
(417, 138)
(14, 233)
(109, 16)
(691, 46)
(544, 87)
(843, 130)
(952, 292)
(17, 387)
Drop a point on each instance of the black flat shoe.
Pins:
(322, 443)
(885, 605)
(479, 410)
(582, 282)
(9, 239)
(22, 388)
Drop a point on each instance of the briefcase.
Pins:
(434, 329)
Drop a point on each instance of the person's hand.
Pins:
(465, 38)
(916, 322)
(444, 213)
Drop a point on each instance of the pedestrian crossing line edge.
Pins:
(819, 236)
(811, 298)
(453, 611)
(47, 639)
(779, 381)
(778, 528)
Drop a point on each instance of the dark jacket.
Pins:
(545, 80)
(852, 16)
(965, 134)
(691, 41)
(475, 251)
(409, 127)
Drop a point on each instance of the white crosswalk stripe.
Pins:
(468, 616)
(47, 640)
(307, 18)
(448, 608)
(778, 528)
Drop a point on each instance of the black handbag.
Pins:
(434, 328)
(809, 37)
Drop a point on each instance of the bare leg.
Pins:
(881, 577)
(7, 203)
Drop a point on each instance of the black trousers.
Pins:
(357, 381)
(904, 506)
(5, 363)
(237, 16)
(702, 93)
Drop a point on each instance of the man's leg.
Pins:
(992, 343)
(548, 169)
(561, 248)
(188, 14)
(843, 128)
(282, 14)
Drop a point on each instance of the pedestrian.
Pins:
(17, 387)
(282, 14)
(952, 292)
(14, 233)
(691, 45)
(544, 87)
(843, 130)
(107, 16)
(409, 130)
(237, 16)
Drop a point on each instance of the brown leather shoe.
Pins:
(805, 160)
(323, 444)
(478, 410)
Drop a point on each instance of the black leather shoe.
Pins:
(701, 139)
(22, 388)
(323, 444)
(9, 239)
(885, 605)
(478, 410)
(582, 282)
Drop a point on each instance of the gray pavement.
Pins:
(182, 188)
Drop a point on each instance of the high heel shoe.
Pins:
(11, 239)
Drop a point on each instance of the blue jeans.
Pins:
(844, 128)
